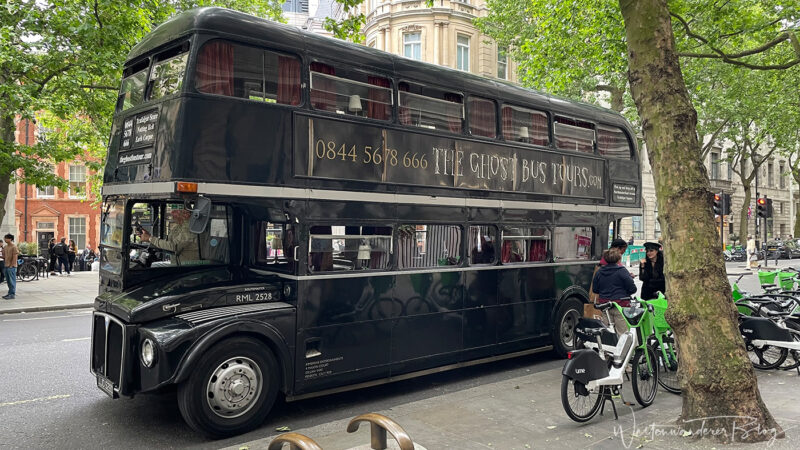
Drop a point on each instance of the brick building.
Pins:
(46, 212)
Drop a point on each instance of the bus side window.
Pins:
(420, 246)
(482, 239)
(349, 247)
(575, 135)
(525, 125)
(571, 243)
(525, 244)
(431, 108)
(612, 142)
(352, 93)
(274, 244)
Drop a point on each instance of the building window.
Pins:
(502, 63)
(770, 174)
(781, 177)
(46, 191)
(638, 227)
(77, 181)
(371, 44)
(462, 53)
(714, 166)
(412, 45)
(295, 6)
(45, 225)
(77, 231)
(657, 224)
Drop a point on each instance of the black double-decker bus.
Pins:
(287, 213)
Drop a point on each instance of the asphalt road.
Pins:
(48, 397)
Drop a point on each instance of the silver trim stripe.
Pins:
(439, 269)
(197, 317)
(241, 190)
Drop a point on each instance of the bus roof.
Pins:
(245, 27)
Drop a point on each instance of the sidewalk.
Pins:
(45, 294)
(526, 413)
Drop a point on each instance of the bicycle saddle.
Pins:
(603, 306)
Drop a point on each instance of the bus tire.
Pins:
(232, 388)
(563, 333)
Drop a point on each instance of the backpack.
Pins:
(60, 249)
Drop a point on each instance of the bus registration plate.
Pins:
(106, 386)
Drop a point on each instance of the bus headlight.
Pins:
(148, 353)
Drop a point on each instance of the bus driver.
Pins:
(180, 241)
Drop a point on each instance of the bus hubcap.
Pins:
(234, 387)
(568, 327)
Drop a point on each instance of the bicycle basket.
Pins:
(659, 308)
(766, 277)
(786, 280)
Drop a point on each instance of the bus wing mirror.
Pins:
(200, 215)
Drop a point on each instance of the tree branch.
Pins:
(732, 58)
(49, 77)
(93, 86)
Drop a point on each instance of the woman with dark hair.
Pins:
(651, 271)
(72, 253)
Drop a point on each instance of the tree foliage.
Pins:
(61, 62)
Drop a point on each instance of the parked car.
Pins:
(785, 249)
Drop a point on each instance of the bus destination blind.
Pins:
(350, 151)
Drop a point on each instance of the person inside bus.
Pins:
(180, 241)
(484, 254)
(651, 271)
(613, 283)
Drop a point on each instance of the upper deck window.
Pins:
(134, 79)
(612, 142)
(354, 93)
(239, 71)
(166, 76)
(525, 125)
(432, 108)
(482, 117)
(573, 134)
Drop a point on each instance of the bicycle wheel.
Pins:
(644, 377)
(579, 403)
(792, 360)
(667, 355)
(27, 272)
(767, 357)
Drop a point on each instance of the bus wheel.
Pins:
(569, 312)
(231, 390)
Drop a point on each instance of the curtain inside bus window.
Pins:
(455, 116)
(288, 80)
(323, 89)
(508, 124)
(538, 250)
(574, 135)
(538, 133)
(379, 105)
(215, 69)
(482, 117)
(612, 142)
(403, 113)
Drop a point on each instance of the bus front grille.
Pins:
(108, 347)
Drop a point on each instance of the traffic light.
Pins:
(717, 204)
(761, 207)
(726, 204)
(769, 207)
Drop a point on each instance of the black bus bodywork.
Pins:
(237, 329)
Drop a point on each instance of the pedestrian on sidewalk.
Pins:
(60, 250)
(72, 253)
(10, 253)
(2, 265)
(752, 256)
(651, 271)
(613, 283)
(51, 266)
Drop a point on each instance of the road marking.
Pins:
(40, 399)
(76, 339)
(37, 318)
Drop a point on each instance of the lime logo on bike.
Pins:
(580, 370)
(747, 330)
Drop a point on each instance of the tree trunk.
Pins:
(743, 218)
(7, 129)
(717, 378)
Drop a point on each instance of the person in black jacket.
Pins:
(613, 283)
(51, 267)
(651, 271)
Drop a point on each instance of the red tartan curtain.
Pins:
(454, 120)
(323, 95)
(379, 105)
(482, 117)
(403, 112)
(506, 253)
(538, 250)
(215, 69)
(538, 133)
(288, 80)
(508, 123)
